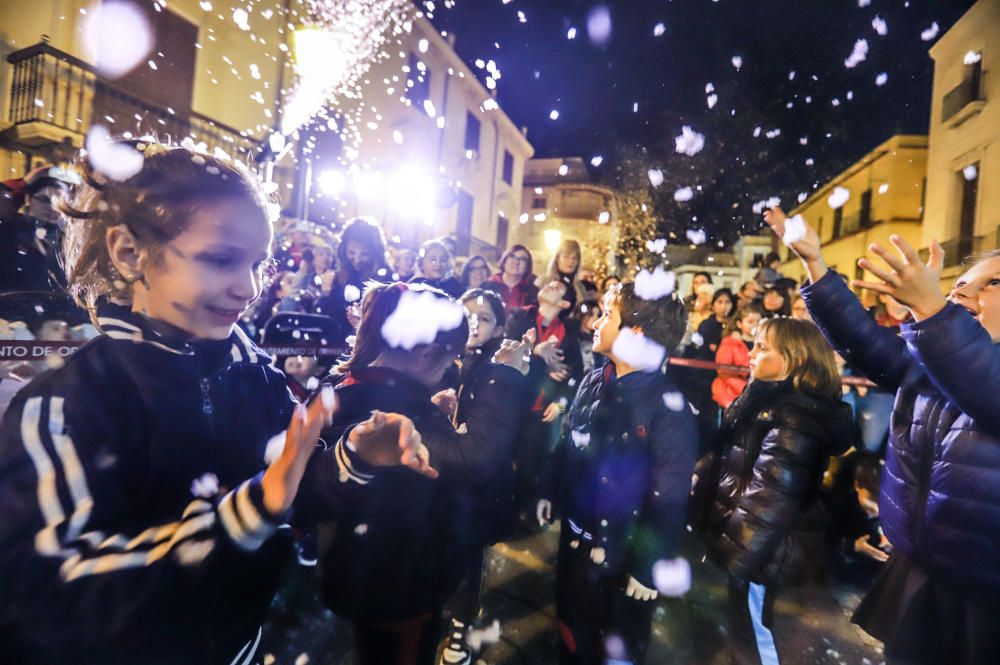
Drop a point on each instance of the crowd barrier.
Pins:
(36, 350)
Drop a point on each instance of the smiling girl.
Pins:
(140, 517)
(938, 597)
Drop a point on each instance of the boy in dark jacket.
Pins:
(620, 478)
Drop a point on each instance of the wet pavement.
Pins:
(812, 623)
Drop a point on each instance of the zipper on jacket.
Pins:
(206, 397)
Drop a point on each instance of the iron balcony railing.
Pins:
(52, 87)
(968, 91)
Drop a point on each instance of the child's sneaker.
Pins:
(456, 651)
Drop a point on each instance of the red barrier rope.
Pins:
(33, 350)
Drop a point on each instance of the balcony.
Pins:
(55, 98)
(956, 251)
(964, 100)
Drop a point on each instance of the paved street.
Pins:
(813, 621)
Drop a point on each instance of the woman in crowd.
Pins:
(775, 303)
(735, 350)
(404, 264)
(937, 598)
(767, 528)
(360, 259)
(514, 281)
(434, 268)
(700, 278)
(563, 267)
(475, 271)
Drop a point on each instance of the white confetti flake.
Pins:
(674, 401)
(205, 5)
(931, 32)
(970, 172)
(303, 659)
(972, 57)
(580, 439)
(795, 230)
(656, 284)
(553, 114)
(839, 197)
(478, 637)
(672, 577)
(604, 217)
(571, 33)
(690, 142)
(858, 55)
(597, 160)
(115, 57)
(695, 236)
(737, 62)
(418, 318)
(880, 26)
(802, 197)
(352, 293)
(881, 79)
(659, 29)
(115, 160)
(712, 100)
(599, 25)
(656, 246)
(655, 177)
(683, 194)
(638, 350)
(883, 188)
(864, 3)
(242, 19)
(361, 529)
(205, 486)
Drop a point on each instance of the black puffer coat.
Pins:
(766, 523)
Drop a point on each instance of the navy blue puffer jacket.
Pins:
(940, 499)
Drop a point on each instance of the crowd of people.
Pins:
(448, 406)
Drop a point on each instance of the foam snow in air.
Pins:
(205, 486)
(690, 142)
(672, 577)
(737, 62)
(114, 160)
(599, 25)
(695, 236)
(972, 57)
(970, 172)
(655, 285)
(674, 401)
(352, 293)
(656, 246)
(931, 32)
(795, 230)
(418, 318)
(655, 177)
(659, 29)
(881, 79)
(480, 636)
(712, 100)
(839, 197)
(597, 160)
(880, 26)
(638, 350)
(858, 55)
(683, 194)
(103, 45)
(580, 439)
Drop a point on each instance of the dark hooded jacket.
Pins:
(767, 524)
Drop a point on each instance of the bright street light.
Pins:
(552, 239)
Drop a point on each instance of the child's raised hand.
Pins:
(515, 354)
(281, 480)
(908, 279)
(390, 439)
(800, 237)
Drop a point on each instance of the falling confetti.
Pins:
(737, 62)
(674, 401)
(858, 55)
(116, 57)
(553, 114)
(655, 177)
(597, 160)
(972, 57)
(970, 172)
(795, 230)
(638, 350)
(839, 197)
(683, 194)
(655, 285)
(659, 29)
(690, 142)
(599, 25)
(881, 79)
(931, 32)
(696, 236)
(880, 26)
(114, 160)
(418, 318)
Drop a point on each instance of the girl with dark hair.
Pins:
(475, 272)
(514, 281)
(408, 337)
(938, 597)
(767, 527)
(775, 303)
(434, 268)
(360, 259)
(141, 507)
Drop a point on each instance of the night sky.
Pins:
(594, 87)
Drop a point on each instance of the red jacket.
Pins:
(727, 386)
(521, 296)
